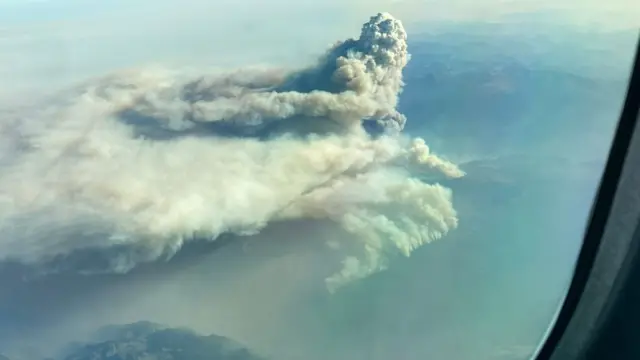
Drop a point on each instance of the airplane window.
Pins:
(401, 179)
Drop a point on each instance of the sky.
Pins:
(505, 94)
(84, 38)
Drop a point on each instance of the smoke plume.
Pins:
(144, 161)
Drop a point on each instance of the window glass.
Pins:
(313, 180)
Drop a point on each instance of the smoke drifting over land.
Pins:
(138, 163)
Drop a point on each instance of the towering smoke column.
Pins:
(370, 66)
(133, 165)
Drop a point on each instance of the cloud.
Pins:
(138, 163)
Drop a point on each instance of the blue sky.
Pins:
(53, 41)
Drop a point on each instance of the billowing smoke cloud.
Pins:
(136, 164)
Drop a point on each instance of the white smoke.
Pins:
(148, 160)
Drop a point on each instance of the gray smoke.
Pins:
(358, 79)
(147, 160)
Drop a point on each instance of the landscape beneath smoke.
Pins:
(279, 208)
